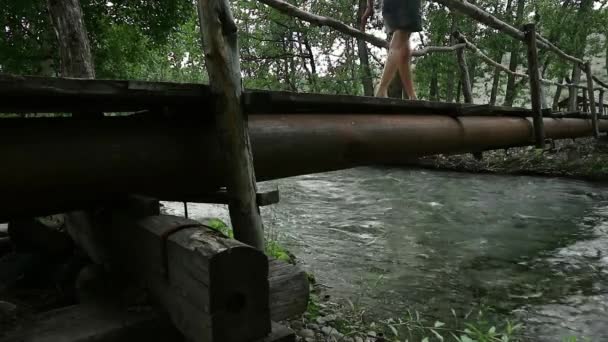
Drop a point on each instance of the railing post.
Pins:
(219, 33)
(591, 93)
(535, 85)
(464, 70)
(601, 111)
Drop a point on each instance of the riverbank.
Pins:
(584, 159)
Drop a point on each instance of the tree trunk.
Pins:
(558, 95)
(434, 86)
(573, 92)
(451, 79)
(74, 47)
(495, 82)
(366, 72)
(511, 92)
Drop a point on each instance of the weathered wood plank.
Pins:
(289, 291)
(109, 323)
(535, 85)
(86, 323)
(222, 197)
(214, 288)
(49, 94)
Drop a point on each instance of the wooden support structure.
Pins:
(94, 161)
(535, 85)
(464, 71)
(592, 103)
(602, 109)
(212, 287)
(219, 34)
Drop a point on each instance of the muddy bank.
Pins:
(585, 159)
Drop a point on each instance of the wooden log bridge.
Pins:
(169, 150)
(161, 140)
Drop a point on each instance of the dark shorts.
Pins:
(402, 15)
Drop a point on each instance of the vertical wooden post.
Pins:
(464, 70)
(219, 33)
(591, 92)
(535, 85)
(585, 104)
(601, 110)
(573, 93)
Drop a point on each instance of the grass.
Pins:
(273, 248)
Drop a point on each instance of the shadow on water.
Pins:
(535, 248)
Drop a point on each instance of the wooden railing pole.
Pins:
(591, 93)
(601, 110)
(219, 33)
(535, 85)
(464, 70)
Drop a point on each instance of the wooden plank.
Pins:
(109, 323)
(592, 104)
(20, 94)
(219, 35)
(289, 292)
(265, 102)
(535, 85)
(489, 110)
(86, 323)
(222, 197)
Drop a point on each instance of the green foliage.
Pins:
(221, 227)
(273, 248)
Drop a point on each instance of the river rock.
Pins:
(332, 332)
(314, 326)
(307, 333)
(296, 325)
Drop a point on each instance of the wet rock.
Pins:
(314, 326)
(332, 332)
(296, 325)
(307, 333)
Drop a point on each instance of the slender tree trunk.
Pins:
(363, 52)
(452, 76)
(434, 86)
(495, 85)
(558, 95)
(74, 47)
(511, 92)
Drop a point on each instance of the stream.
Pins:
(392, 240)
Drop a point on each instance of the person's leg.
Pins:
(398, 59)
(392, 63)
(405, 70)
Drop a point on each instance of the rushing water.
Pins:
(535, 248)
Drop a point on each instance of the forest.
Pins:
(159, 40)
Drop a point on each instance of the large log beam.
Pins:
(50, 165)
(212, 287)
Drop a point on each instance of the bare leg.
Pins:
(398, 59)
(392, 64)
(405, 70)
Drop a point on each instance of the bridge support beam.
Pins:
(55, 165)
